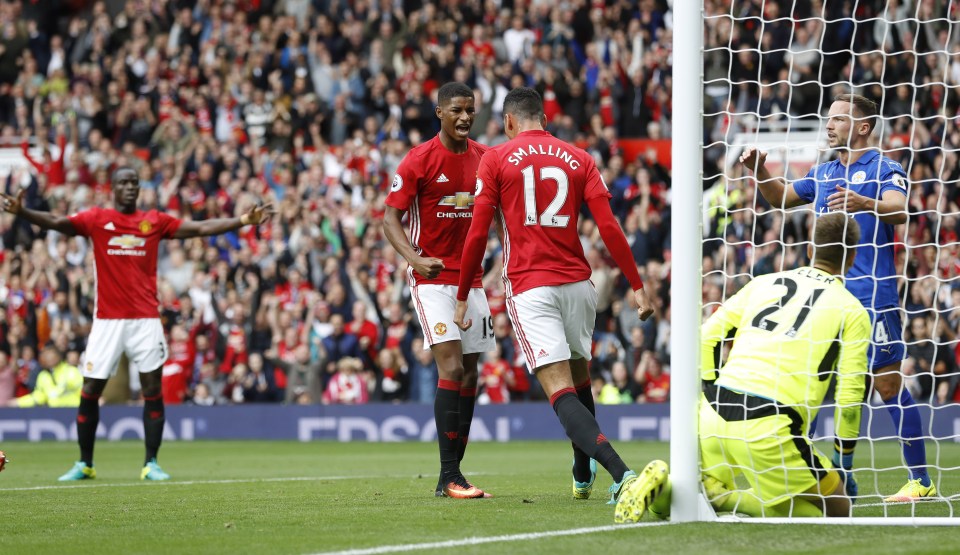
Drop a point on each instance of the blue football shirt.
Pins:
(873, 278)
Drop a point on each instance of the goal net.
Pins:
(766, 73)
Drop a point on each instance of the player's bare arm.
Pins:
(891, 208)
(644, 306)
(775, 190)
(255, 216)
(459, 314)
(46, 220)
(393, 231)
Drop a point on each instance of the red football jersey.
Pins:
(538, 183)
(436, 186)
(125, 252)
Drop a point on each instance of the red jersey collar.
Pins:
(538, 132)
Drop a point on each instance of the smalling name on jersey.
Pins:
(517, 155)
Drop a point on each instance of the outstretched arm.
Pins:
(775, 190)
(255, 216)
(25, 147)
(46, 220)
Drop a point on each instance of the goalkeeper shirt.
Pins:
(791, 331)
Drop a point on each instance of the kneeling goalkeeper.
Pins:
(793, 331)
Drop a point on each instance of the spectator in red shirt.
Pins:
(367, 332)
(178, 369)
(293, 292)
(347, 387)
(394, 376)
(27, 370)
(478, 48)
(399, 327)
(48, 166)
(496, 378)
(650, 376)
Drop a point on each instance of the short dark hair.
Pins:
(524, 103)
(833, 234)
(453, 90)
(51, 346)
(863, 108)
(116, 172)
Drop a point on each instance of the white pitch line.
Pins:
(400, 548)
(921, 501)
(88, 484)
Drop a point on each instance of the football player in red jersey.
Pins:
(537, 184)
(434, 183)
(127, 317)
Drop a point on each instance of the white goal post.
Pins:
(689, 99)
(685, 283)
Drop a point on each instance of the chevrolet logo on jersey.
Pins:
(460, 201)
(130, 245)
(127, 242)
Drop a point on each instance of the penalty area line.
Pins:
(401, 548)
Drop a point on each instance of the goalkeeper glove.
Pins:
(844, 464)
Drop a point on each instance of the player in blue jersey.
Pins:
(873, 190)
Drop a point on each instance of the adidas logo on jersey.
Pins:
(443, 179)
(541, 354)
(110, 227)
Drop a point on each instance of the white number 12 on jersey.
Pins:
(549, 218)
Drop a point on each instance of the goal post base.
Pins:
(705, 512)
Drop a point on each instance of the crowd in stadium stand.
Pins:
(311, 104)
(765, 70)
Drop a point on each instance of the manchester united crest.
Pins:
(145, 226)
(440, 329)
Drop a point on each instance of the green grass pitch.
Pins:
(286, 497)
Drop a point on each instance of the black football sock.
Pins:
(468, 400)
(88, 418)
(447, 417)
(582, 428)
(581, 461)
(153, 420)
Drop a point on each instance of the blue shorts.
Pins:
(886, 344)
